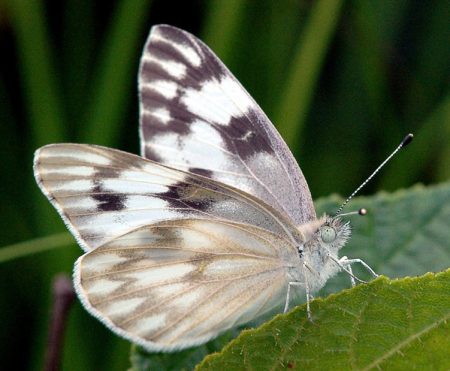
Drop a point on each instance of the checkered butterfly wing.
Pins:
(196, 116)
(102, 193)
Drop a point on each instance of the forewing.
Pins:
(176, 284)
(102, 193)
(195, 115)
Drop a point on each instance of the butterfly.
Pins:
(211, 227)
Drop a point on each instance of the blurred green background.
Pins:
(343, 81)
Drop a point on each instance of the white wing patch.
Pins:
(148, 324)
(123, 307)
(173, 68)
(163, 115)
(203, 142)
(167, 89)
(104, 286)
(220, 108)
(68, 153)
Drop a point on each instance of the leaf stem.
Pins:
(63, 297)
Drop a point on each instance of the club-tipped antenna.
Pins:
(361, 212)
(406, 140)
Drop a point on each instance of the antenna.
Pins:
(406, 140)
(361, 212)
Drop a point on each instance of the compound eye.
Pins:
(328, 234)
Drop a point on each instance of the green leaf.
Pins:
(404, 233)
(400, 324)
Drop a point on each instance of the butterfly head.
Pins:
(328, 238)
(322, 239)
(327, 234)
(333, 234)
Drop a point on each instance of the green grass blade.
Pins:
(114, 78)
(41, 90)
(42, 98)
(430, 140)
(34, 246)
(295, 101)
(222, 26)
(429, 75)
(78, 51)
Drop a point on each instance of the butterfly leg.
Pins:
(288, 295)
(348, 262)
(349, 267)
(344, 264)
(309, 297)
